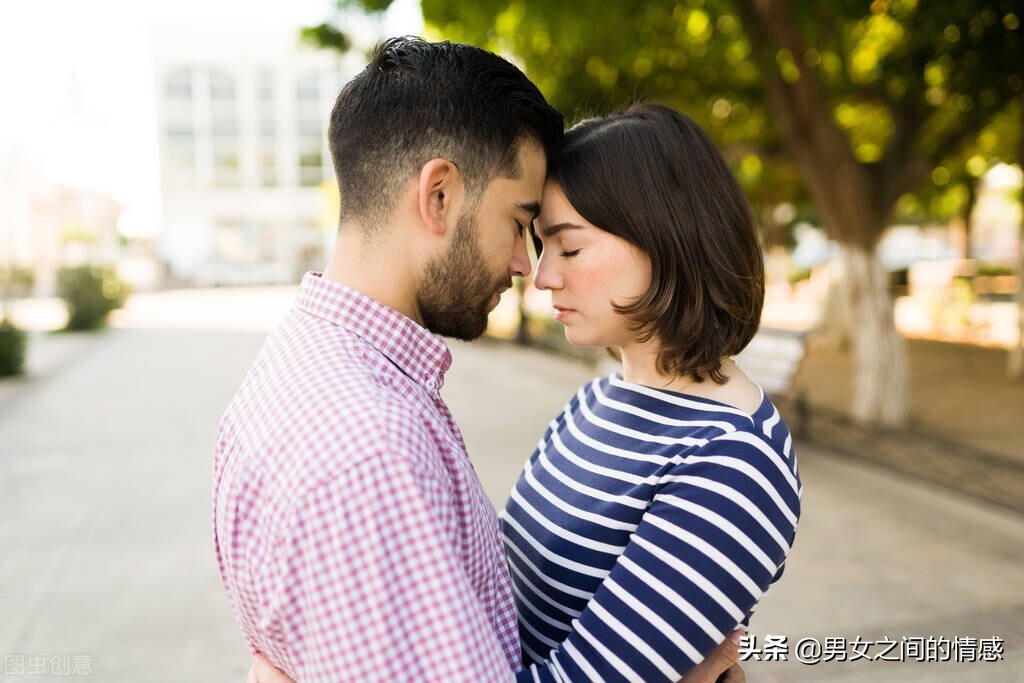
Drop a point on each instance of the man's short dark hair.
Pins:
(416, 101)
(650, 175)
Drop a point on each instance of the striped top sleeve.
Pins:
(609, 589)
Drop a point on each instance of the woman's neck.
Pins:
(640, 366)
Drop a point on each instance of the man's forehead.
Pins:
(532, 161)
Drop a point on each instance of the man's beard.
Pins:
(454, 294)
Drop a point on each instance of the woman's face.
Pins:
(587, 270)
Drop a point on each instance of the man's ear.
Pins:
(440, 193)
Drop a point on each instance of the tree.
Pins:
(866, 100)
(334, 33)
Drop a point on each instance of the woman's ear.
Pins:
(440, 192)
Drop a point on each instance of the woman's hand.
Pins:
(262, 671)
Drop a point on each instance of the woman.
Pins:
(663, 500)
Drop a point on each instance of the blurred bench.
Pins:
(772, 359)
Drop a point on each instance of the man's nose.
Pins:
(520, 264)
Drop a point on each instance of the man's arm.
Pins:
(369, 585)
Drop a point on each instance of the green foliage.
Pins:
(920, 92)
(15, 282)
(368, 6)
(12, 349)
(326, 36)
(952, 190)
(851, 103)
(909, 84)
(330, 35)
(995, 270)
(90, 293)
(796, 275)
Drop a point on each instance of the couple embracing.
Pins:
(353, 536)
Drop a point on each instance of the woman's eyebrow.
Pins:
(552, 230)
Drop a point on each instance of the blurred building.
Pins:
(45, 224)
(245, 174)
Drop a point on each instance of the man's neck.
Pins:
(375, 271)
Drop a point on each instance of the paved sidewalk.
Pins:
(46, 354)
(958, 393)
(965, 429)
(104, 513)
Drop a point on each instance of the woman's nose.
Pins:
(547, 276)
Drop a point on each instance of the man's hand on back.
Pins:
(718, 667)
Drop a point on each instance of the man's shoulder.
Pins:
(317, 399)
(320, 360)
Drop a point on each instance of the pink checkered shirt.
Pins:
(354, 539)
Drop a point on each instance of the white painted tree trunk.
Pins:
(880, 357)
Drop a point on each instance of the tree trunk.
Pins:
(962, 225)
(855, 201)
(523, 331)
(880, 359)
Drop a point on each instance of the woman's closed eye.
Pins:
(570, 254)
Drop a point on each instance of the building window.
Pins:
(310, 146)
(310, 128)
(179, 85)
(311, 170)
(265, 86)
(180, 132)
(268, 168)
(231, 243)
(180, 153)
(225, 161)
(270, 247)
(311, 161)
(222, 86)
(307, 89)
(181, 166)
(225, 128)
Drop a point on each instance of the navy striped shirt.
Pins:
(644, 528)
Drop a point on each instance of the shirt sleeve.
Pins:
(370, 585)
(715, 536)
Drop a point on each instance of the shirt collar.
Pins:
(415, 351)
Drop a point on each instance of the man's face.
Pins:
(488, 247)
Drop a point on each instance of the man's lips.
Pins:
(496, 297)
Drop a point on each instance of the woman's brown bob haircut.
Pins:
(651, 176)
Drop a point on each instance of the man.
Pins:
(353, 536)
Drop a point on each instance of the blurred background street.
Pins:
(165, 181)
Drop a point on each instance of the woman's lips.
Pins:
(561, 313)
